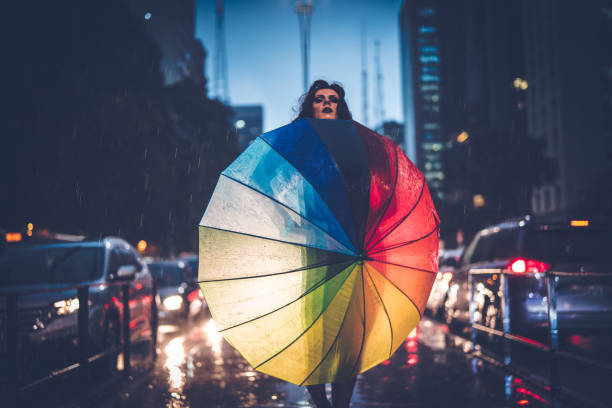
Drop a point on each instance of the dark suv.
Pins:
(48, 319)
(527, 249)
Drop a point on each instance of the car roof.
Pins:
(181, 263)
(105, 242)
(541, 223)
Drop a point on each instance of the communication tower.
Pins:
(304, 8)
(380, 104)
(364, 75)
(221, 86)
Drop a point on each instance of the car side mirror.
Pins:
(126, 272)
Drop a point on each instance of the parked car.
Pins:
(179, 293)
(47, 317)
(449, 261)
(527, 249)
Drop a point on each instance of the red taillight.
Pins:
(194, 295)
(522, 265)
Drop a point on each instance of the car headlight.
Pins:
(173, 302)
(67, 306)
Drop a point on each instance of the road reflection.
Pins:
(175, 357)
(197, 368)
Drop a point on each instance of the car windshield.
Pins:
(569, 245)
(166, 274)
(49, 264)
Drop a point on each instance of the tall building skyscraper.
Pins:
(248, 122)
(565, 50)
(514, 68)
(171, 24)
(420, 31)
(394, 131)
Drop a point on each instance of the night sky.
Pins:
(264, 60)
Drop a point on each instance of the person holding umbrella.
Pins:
(326, 101)
(318, 249)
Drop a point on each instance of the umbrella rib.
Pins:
(303, 268)
(305, 330)
(436, 228)
(381, 216)
(402, 292)
(312, 289)
(274, 239)
(312, 185)
(403, 218)
(290, 209)
(364, 323)
(330, 347)
(403, 266)
(384, 308)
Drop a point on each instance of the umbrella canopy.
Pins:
(318, 251)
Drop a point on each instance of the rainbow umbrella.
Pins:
(318, 251)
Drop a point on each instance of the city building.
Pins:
(420, 36)
(171, 24)
(394, 131)
(248, 122)
(567, 48)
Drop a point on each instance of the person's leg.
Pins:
(342, 393)
(317, 393)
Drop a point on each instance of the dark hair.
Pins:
(307, 100)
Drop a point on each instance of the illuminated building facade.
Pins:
(422, 83)
(566, 48)
(171, 24)
(248, 122)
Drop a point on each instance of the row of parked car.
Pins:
(47, 317)
(526, 249)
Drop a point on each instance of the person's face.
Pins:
(325, 105)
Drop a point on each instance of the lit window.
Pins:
(429, 87)
(429, 48)
(430, 78)
(434, 175)
(430, 126)
(429, 68)
(436, 147)
(425, 12)
(427, 29)
(429, 58)
(431, 97)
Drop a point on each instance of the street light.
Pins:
(142, 245)
(463, 136)
(520, 83)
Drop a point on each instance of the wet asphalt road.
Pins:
(197, 368)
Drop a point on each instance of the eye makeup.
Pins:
(320, 99)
